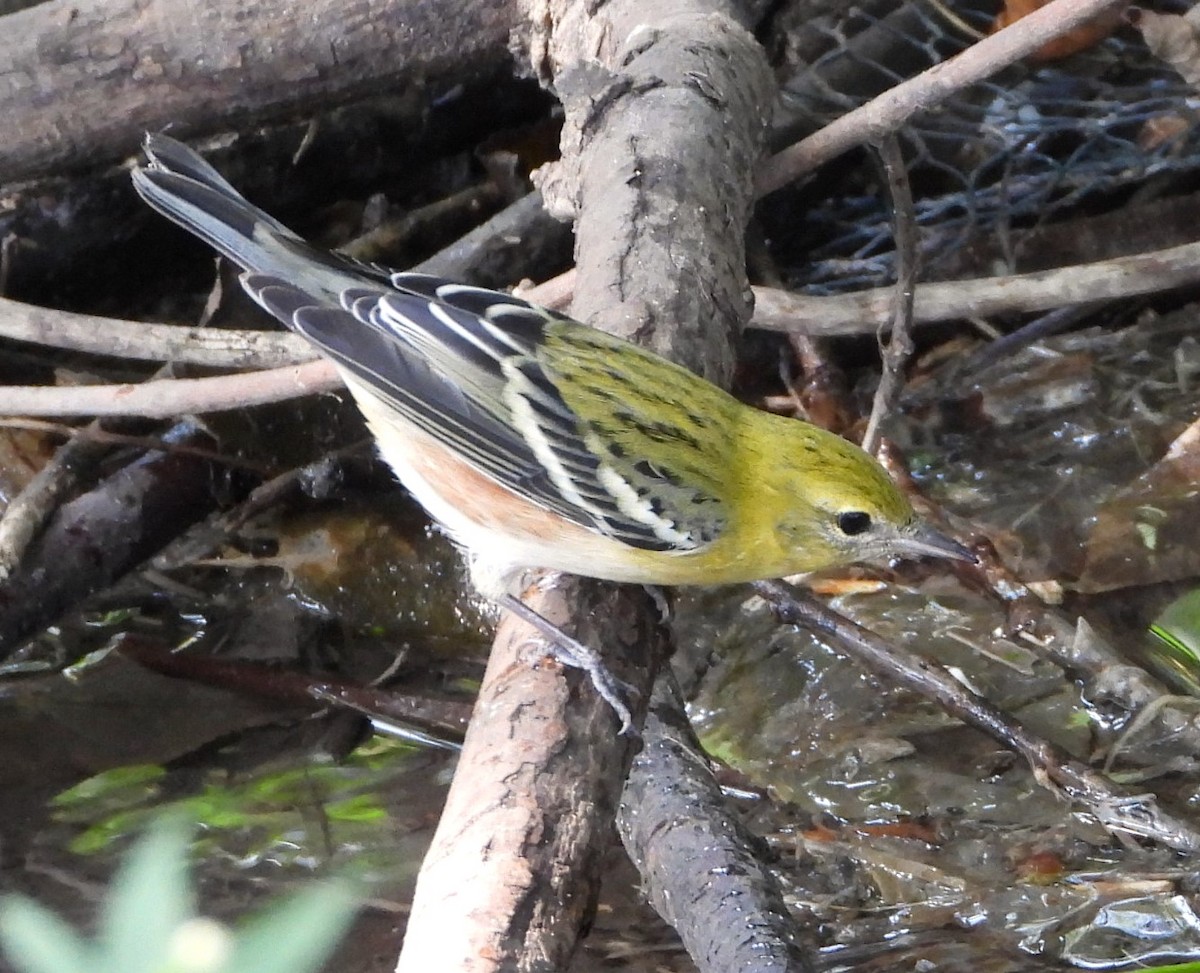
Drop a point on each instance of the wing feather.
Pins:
(468, 366)
(483, 389)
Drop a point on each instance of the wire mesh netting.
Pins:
(1028, 147)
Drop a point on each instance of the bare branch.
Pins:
(663, 101)
(1118, 812)
(27, 512)
(928, 89)
(144, 341)
(123, 67)
(864, 312)
(166, 398)
(896, 352)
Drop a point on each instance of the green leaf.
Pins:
(149, 899)
(297, 935)
(35, 940)
(1178, 652)
(123, 784)
(361, 807)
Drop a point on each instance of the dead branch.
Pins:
(145, 341)
(703, 868)
(167, 398)
(1130, 814)
(775, 310)
(518, 239)
(930, 88)
(865, 311)
(28, 510)
(662, 105)
(99, 536)
(120, 69)
(895, 353)
(633, 150)
(533, 796)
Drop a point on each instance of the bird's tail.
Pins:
(181, 186)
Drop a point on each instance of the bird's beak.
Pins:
(923, 541)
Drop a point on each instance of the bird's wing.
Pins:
(478, 370)
(469, 366)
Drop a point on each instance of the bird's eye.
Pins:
(851, 522)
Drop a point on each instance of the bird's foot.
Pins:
(571, 652)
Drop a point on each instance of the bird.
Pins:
(540, 443)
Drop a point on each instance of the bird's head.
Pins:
(844, 508)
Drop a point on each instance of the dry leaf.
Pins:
(1160, 130)
(1149, 531)
(1086, 35)
(1172, 38)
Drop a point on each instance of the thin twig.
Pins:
(930, 88)
(1042, 327)
(143, 341)
(899, 348)
(955, 21)
(165, 398)
(1118, 812)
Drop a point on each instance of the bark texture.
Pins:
(81, 80)
(666, 108)
(666, 113)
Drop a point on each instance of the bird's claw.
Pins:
(571, 652)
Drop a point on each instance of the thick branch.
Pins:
(118, 68)
(665, 116)
(653, 164)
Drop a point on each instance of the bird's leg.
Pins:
(571, 652)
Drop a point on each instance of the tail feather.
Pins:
(168, 155)
(472, 370)
(181, 186)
